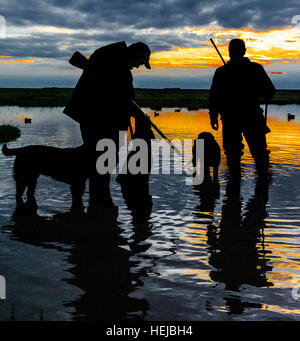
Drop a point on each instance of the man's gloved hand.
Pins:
(214, 122)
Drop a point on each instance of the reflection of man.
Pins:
(237, 248)
(102, 103)
(234, 94)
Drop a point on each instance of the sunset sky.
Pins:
(42, 35)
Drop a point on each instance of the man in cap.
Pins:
(235, 95)
(102, 103)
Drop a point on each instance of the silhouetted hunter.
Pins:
(234, 94)
(102, 103)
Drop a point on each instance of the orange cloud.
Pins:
(18, 61)
(264, 47)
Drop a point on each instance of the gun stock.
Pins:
(79, 60)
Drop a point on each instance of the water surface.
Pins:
(197, 254)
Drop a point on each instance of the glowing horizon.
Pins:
(264, 47)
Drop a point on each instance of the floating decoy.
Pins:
(290, 117)
(27, 120)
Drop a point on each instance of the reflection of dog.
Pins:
(66, 165)
(212, 155)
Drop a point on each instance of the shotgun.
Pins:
(80, 61)
(267, 129)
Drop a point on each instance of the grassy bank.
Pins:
(154, 98)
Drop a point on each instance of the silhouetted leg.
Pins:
(233, 147)
(233, 187)
(256, 140)
(77, 191)
(136, 195)
(86, 134)
(30, 193)
(216, 174)
(262, 188)
(206, 173)
(100, 183)
(20, 189)
(194, 163)
(100, 191)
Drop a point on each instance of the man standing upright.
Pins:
(102, 103)
(234, 94)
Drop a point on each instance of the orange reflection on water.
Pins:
(280, 310)
(271, 259)
(283, 141)
(21, 117)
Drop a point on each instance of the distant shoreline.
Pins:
(152, 98)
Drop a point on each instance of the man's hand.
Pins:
(214, 122)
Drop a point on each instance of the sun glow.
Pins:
(264, 47)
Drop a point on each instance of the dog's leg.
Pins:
(20, 189)
(206, 172)
(216, 174)
(30, 194)
(77, 190)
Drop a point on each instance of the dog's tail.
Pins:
(10, 152)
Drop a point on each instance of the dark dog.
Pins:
(212, 155)
(68, 165)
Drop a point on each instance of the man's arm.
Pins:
(267, 89)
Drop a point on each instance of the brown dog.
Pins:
(68, 165)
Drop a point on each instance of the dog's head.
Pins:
(206, 136)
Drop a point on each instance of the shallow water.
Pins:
(195, 255)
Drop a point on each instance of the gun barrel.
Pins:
(217, 50)
(137, 108)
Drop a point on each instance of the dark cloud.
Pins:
(100, 22)
(61, 46)
(132, 20)
(88, 14)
